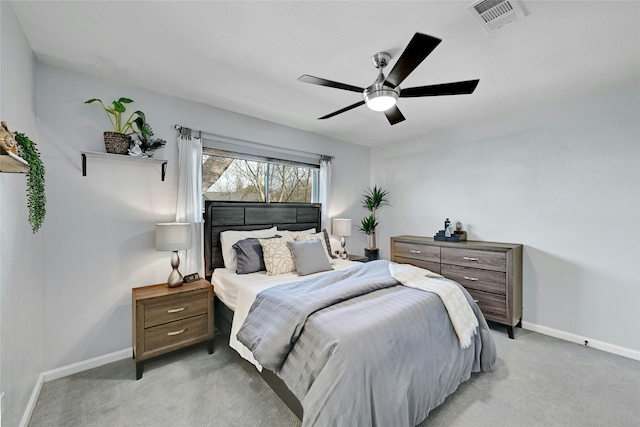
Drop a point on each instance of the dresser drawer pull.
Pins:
(414, 251)
(176, 332)
(473, 279)
(176, 310)
(468, 258)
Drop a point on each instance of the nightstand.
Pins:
(166, 319)
(358, 258)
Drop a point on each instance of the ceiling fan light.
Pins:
(381, 100)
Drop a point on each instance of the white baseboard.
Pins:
(65, 371)
(32, 402)
(600, 345)
(85, 365)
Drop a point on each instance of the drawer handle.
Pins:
(176, 310)
(415, 252)
(176, 332)
(468, 258)
(473, 279)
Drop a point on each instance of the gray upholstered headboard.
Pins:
(221, 216)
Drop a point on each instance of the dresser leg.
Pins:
(139, 369)
(510, 331)
(211, 346)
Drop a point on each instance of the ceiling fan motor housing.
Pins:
(378, 96)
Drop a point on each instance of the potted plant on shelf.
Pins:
(147, 143)
(119, 140)
(374, 199)
(25, 150)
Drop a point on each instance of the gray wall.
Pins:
(20, 250)
(563, 180)
(99, 238)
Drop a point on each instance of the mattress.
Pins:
(238, 291)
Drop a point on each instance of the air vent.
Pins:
(493, 14)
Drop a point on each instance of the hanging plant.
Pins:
(35, 186)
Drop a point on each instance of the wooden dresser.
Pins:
(491, 272)
(166, 319)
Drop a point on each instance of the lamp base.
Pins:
(175, 278)
(344, 253)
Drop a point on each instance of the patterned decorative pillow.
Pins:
(278, 258)
(318, 236)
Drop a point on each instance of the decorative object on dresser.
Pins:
(374, 199)
(166, 319)
(491, 272)
(173, 236)
(341, 227)
(449, 234)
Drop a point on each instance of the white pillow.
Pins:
(296, 233)
(278, 258)
(231, 237)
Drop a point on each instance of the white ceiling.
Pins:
(246, 56)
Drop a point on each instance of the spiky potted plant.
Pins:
(374, 199)
(119, 140)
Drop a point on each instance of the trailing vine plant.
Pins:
(36, 198)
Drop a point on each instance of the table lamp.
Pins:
(342, 227)
(173, 236)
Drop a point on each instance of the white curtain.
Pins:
(189, 205)
(324, 191)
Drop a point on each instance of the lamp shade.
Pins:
(173, 236)
(341, 226)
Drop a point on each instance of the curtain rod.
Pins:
(259, 144)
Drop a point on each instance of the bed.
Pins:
(385, 354)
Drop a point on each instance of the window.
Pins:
(236, 177)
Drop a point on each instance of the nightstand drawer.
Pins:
(174, 333)
(417, 251)
(490, 304)
(486, 260)
(475, 278)
(169, 309)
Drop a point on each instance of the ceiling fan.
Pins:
(383, 94)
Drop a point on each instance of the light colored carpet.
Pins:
(537, 381)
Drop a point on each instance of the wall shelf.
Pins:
(11, 163)
(121, 157)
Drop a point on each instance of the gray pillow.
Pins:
(309, 257)
(249, 255)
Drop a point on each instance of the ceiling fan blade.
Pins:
(457, 88)
(394, 115)
(420, 46)
(335, 113)
(324, 82)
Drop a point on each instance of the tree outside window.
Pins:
(233, 179)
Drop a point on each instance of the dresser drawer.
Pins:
(490, 304)
(475, 278)
(431, 266)
(486, 260)
(417, 251)
(175, 333)
(169, 309)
